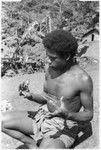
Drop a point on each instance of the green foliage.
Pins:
(21, 32)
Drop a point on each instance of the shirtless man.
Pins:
(67, 88)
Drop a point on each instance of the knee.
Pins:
(5, 118)
(45, 143)
(52, 143)
(2, 120)
(3, 126)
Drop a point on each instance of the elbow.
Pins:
(90, 116)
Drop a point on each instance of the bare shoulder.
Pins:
(84, 79)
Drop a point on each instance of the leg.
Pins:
(19, 126)
(52, 143)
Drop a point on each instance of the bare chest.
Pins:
(66, 87)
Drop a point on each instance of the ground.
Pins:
(9, 91)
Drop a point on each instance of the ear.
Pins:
(67, 58)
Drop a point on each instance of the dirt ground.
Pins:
(9, 91)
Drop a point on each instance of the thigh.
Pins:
(6, 116)
(18, 120)
(52, 143)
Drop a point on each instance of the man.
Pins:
(67, 88)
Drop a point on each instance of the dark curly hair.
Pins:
(62, 42)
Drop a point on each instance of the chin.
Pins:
(56, 67)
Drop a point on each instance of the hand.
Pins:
(24, 86)
(56, 113)
(25, 94)
(49, 115)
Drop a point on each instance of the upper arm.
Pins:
(86, 94)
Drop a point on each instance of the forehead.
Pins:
(51, 53)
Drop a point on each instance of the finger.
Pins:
(23, 93)
(48, 116)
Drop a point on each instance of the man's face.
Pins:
(55, 61)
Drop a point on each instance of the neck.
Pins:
(54, 73)
(69, 64)
(57, 72)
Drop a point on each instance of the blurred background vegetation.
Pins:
(25, 23)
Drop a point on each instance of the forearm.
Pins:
(75, 116)
(37, 98)
(80, 116)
